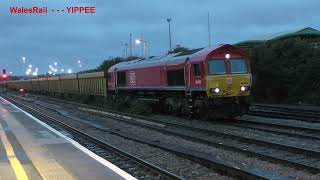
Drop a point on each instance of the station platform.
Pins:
(30, 149)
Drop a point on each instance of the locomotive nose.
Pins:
(229, 85)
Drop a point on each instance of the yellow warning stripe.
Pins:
(15, 163)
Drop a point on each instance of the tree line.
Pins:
(286, 72)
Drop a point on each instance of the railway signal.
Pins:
(4, 75)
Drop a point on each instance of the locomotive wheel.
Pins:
(169, 109)
(172, 106)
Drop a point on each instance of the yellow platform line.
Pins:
(47, 167)
(15, 163)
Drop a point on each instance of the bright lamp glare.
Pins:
(216, 90)
(227, 56)
(243, 88)
(69, 71)
(30, 66)
(138, 41)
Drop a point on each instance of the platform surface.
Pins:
(29, 149)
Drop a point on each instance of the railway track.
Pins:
(296, 157)
(307, 115)
(246, 145)
(286, 129)
(276, 128)
(223, 167)
(127, 162)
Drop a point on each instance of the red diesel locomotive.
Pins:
(211, 82)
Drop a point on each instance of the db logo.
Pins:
(132, 77)
(229, 81)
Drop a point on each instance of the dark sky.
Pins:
(91, 38)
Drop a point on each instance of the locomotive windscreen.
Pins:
(238, 66)
(217, 67)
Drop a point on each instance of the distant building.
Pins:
(308, 34)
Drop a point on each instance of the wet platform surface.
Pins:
(29, 149)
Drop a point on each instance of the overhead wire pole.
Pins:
(169, 21)
(130, 45)
(126, 49)
(23, 65)
(209, 29)
(142, 47)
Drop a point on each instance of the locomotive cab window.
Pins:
(217, 67)
(238, 66)
(196, 70)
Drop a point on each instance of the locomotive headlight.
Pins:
(244, 88)
(215, 90)
(227, 56)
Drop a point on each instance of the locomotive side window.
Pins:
(175, 77)
(217, 67)
(196, 70)
(121, 78)
(238, 66)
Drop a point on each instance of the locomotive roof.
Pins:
(167, 59)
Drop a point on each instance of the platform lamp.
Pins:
(138, 42)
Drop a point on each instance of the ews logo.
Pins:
(132, 78)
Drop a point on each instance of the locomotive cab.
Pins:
(228, 76)
(228, 82)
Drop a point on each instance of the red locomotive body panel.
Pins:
(180, 71)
